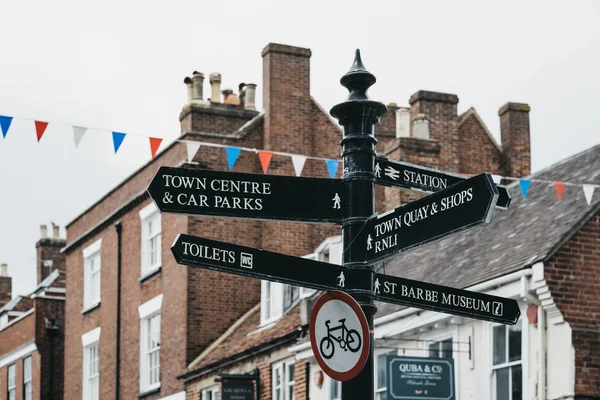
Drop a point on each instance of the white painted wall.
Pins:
(561, 362)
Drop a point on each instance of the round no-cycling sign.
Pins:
(339, 335)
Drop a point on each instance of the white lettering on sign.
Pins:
(209, 253)
(386, 232)
(435, 368)
(424, 180)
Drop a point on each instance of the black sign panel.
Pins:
(226, 257)
(465, 303)
(232, 194)
(414, 378)
(237, 390)
(415, 177)
(457, 207)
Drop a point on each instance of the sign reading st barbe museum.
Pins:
(418, 378)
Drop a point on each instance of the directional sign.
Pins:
(457, 207)
(414, 378)
(247, 261)
(339, 335)
(231, 194)
(416, 177)
(406, 292)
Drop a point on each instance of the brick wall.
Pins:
(49, 250)
(478, 151)
(50, 344)
(573, 276)
(516, 141)
(5, 289)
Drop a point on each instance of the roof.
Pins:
(245, 336)
(530, 231)
(11, 304)
(48, 281)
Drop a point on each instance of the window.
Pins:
(91, 275)
(507, 372)
(151, 239)
(441, 349)
(91, 365)
(209, 393)
(27, 385)
(335, 390)
(283, 380)
(150, 344)
(272, 301)
(12, 382)
(381, 377)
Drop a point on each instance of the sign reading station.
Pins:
(339, 335)
(247, 261)
(415, 177)
(427, 296)
(414, 378)
(457, 207)
(232, 194)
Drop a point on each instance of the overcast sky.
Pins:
(119, 65)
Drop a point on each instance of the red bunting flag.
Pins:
(265, 159)
(560, 188)
(154, 145)
(40, 128)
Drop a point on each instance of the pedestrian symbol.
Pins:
(336, 201)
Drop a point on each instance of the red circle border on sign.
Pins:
(366, 348)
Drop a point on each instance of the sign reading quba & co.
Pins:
(418, 378)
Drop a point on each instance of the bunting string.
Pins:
(264, 156)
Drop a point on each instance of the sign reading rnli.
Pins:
(232, 194)
(418, 378)
(457, 207)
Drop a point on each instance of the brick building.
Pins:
(32, 330)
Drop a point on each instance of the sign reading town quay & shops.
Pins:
(457, 207)
(418, 378)
(247, 261)
(427, 296)
(232, 194)
(416, 177)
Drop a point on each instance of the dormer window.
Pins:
(277, 298)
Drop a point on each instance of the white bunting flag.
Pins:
(298, 162)
(192, 148)
(588, 191)
(78, 132)
(497, 179)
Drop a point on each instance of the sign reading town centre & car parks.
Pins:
(232, 194)
(457, 207)
(415, 177)
(414, 378)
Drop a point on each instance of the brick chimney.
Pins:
(439, 109)
(516, 146)
(286, 98)
(5, 285)
(49, 257)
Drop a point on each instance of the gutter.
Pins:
(118, 228)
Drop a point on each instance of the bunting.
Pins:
(298, 162)
(232, 156)
(560, 188)
(332, 166)
(117, 140)
(154, 145)
(191, 148)
(524, 187)
(588, 192)
(265, 159)
(78, 132)
(5, 124)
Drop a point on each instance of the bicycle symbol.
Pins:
(348, 340)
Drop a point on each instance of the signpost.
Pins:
(415, 177)
(339, 335)
(232, 194)
(342, 320)
(457, 207)
(414, 378)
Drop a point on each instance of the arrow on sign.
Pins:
(256, 263)
(455, 208)
(231, 194)
(445, 299)
(416, 177)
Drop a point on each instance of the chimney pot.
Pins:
(230, 98)
(402, 122)
(215, 83)
(421, 127)
(188, 82)
(197, 84)
(250, 97)
(56, 232)
(4, 269)
(43, 231)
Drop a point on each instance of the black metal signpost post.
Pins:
(455, 204)
(358, 115)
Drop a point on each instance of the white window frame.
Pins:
(28, 378)
(149, 311)
(332, 384)
(271, 302)
(383, 389)
(150, 215)
(90, 341)
(212, 391)
(92, 258)
(11, 382)
(508, 364)
(439, 343)
(286, 383)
